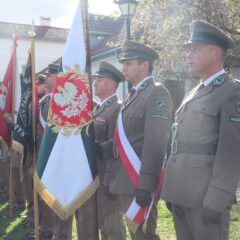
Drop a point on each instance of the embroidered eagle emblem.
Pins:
(70, 108)
(68, 97)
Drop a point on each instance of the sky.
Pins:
(60, 11)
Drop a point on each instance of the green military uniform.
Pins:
(202, 172)
(146, 117)
(110, 218)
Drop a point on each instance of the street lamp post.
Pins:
(127, 8)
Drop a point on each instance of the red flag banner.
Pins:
(6, 101)
(10, 90)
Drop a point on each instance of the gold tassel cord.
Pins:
(18, 147)
(64, 212)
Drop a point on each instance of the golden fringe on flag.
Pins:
(64, 213)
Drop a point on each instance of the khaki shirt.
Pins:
(105, 118)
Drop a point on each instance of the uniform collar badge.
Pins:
(108, 102)
(219, 80)
(143, 86)
(238, 106)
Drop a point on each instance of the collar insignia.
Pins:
(143, 86)
(108, 102)
(219, 81)
(238, 106)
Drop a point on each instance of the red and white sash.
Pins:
(42, 122)
(135, 214)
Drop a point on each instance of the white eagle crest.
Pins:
(68, 96)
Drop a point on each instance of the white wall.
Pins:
(45, 53)
(5, 47)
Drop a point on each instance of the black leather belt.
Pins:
(179, 147)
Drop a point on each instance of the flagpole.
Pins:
(87, 40)
(12, 124)
(35, 196)
(89, 72)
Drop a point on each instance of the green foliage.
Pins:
(11, 228)
(164, 25)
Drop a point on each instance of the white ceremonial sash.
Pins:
(135, 214)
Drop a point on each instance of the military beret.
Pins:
(53, 68)
(40, 78)
(203, 32)
(134, 50)
(108, 70)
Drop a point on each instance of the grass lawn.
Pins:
(13, 228)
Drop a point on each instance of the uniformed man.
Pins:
(110, 219)
(41, 88)
(28, 153)
(202, 173)
(146, 122)
(4, 170)
(52, 227)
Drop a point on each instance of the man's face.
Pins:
(50, 81)
(200, 58)
(132, 70)
(41, 90)
(103, 86)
